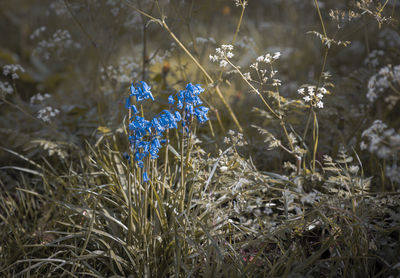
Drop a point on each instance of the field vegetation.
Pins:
(212, 138)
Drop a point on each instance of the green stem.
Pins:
(315, 138)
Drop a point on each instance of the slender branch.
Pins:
(209, 78)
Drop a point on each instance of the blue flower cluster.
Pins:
(188, 100)
(145, 136)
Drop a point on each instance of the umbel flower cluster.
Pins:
(313, 96)
(146, 136)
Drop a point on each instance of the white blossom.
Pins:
(12, 69)
(47, 113)
(6, 87)
(247, 76)
(223, 63)
(277, 82)
(276, 55)
(260, 59)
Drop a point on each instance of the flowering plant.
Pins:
(146, 136)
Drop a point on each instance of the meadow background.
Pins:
(294, 174)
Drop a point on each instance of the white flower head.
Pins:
(320, 104)
(300, 91)
(227, 47)
(223, 63)
(260, 59)
(273, 73)
(254, 66)
(276, 55)
(247, 75)
(12, 69)
(277, 82)
(6, 87)
(267, 58)
(323, 90)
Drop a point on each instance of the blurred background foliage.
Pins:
(84, 54)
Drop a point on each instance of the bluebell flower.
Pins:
(127, 157)
(167, 120)
(159, 129)
(201, 113)
(145, 137)
(142, 91)
(177, 116)
(134, 109)
(145, 177)
(155, 148)
(171, 99)
(188, 101)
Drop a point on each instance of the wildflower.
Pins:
(47, 113)
(277, 82)
(254, 66)
(276, 55)
(300, 91)
(307, 98)
(260, 59)
(127, 157)
(247, 76)
(323, 90)
(223, 63)
(213, 58)
(12, 69)
(222, 54)
(39, 97)
(310, 90)
(320, 104)
(273, 73)
(142, 91)
(171, 99)
(145, 177)
(227, 47)
(145, 137)
(380, 139)
(6, 87)
(201, 113)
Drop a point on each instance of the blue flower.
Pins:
(145, 137)
(201, 113)
(171, 99)
(177, 116)
(134, 109)
(189, 100)
(142, 91)
(127, 157)
(159, 129)
(145, 177)
(167, 120)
